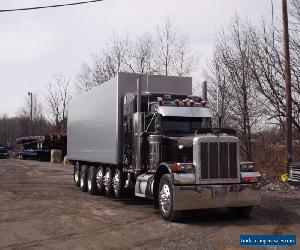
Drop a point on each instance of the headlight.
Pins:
(186, 168)
(247, 166)
(250, 177)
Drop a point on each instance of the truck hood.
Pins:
(178, 148)
(185, 141)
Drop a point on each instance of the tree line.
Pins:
(245, 75)
(167, 51)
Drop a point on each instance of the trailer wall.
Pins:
(95, 117)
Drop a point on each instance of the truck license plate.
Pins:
(219, 191)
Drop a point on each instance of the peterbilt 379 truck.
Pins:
(149, 134)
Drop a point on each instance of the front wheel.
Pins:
(165, 199)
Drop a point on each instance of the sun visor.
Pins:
(184, 111)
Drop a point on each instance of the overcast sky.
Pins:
(35, 45)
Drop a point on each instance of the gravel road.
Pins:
(41, 208)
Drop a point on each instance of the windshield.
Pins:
(185, 125)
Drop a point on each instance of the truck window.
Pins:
(158, 123)
(153, 123)
(185, 125)
(150, 123)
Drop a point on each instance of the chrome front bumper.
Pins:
(216, 196)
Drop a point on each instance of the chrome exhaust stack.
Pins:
(204, 91)
(138, 129)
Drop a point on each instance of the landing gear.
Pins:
(165, 199)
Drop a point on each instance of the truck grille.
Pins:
(218, 160)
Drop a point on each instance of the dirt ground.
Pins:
(41, 208)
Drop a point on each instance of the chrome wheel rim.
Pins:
(76, 177)
(99, 178)
(81, 182)
(89, 184)
(107, 180)
(116, 182)
(165, 198)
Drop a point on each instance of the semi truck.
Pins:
(150, 135)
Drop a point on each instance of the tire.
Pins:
(108, 181)
(91, 180)
(241, 212)
(77, 174)
(165, 199)
(83, 178)
(100, 180)
(118, 183)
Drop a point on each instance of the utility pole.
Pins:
(288, 91)
(31, 125)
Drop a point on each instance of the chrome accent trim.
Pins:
(144, 186)
(165, 198)
(184, 179)
(250, 174)
(106, 180)
(203, 196)
(116, 182)
(138, 128)
(185, 111)
(154, 151)
(211, 138)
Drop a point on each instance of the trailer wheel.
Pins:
(83, 178)
(77, 174)
(241, 212)
(91, 180)
(118, 182)
(100, 180)
(108, 181)
(165, 199)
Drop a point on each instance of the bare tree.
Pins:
(268, 71)
(165, 46)
(232, 83)
(58, 97)
(184, 58)
(295, 10)
(166, 52)
(143, 54)
(37, 114)
(173, 53)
